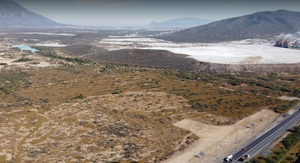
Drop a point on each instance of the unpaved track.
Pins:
(218, 141)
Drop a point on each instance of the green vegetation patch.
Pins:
(286, 107)
(50, 53)
(10, 79)
(287, 151)
(23, 60)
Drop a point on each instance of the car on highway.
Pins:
(244, 158)
(244, 148)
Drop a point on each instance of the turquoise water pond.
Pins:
(25, 47)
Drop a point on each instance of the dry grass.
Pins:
(110, 113)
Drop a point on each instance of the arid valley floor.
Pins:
(60, 106)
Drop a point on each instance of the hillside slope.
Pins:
(180, 23)
(13, 14)
(257, 25)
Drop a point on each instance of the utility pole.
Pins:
(236, 137)
(216, 151)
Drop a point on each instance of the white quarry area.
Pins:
(51, 45)
(244, 51)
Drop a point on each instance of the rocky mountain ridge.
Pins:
(14, 15)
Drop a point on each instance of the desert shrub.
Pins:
(271, 160)
(285, 89)
(115, 92)
(283, 108)
(187, 75)
(234, 82)
(272, 75)
(23, 60)
(50, 53)
(194, 93)
(295, 93)
(12, 79)
(290, 159)
(265, 92)
(292, 139)
(79, 97)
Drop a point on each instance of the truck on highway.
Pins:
(228, 158)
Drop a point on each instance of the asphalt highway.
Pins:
(258, 144)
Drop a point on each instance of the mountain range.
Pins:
(180, 23)
(258, 25)
(13, 14)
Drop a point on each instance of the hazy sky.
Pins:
(143, 12)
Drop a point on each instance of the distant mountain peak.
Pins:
(153, 23)
(13, 14)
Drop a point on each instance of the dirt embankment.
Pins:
(214, 68)
(218, 141)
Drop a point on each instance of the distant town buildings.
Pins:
(136, 34)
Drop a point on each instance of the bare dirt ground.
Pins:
(288, 98)
(217, 141)
(252, 59)
(95, 129)
(39, 62)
